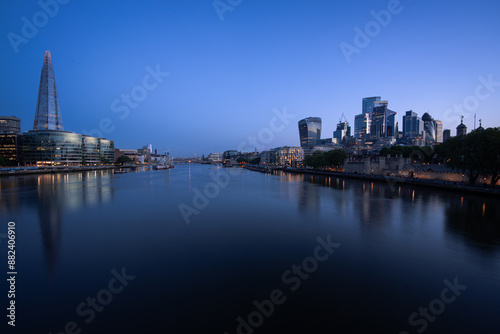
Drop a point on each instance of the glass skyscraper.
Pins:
(310, 131)
(48, 143)
(412, 125)
(48, 111)
(369, 103)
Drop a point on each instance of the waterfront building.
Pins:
(52, 147)
(48, 143)
(446, 135)
(10, 139)
(10, 147)
(362, 124)
(412, 126)
(145, 151)
(48, 112)
(310, 131)
(289, 156)
(10, 124)
(214, 157)
(377, 165)
(268, 157)
(107, 150)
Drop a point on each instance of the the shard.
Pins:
(48, 112)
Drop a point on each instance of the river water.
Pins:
(201, 249)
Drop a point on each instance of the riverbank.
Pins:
(19, 171)
(392, 181)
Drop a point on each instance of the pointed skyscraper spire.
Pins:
(48, 113)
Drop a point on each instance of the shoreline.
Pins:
(443, 185)
(55, 170)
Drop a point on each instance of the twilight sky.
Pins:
(227, 78)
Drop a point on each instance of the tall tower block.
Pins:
(48, 112)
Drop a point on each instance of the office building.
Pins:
(48, 112)
(439, 131)
(391, 124)
(429, 129)
(310, 131)
(368, 104)
(343, 130)
(288, 156)
(412, 126)
(10, 124)
(48, 143)
(362, 124)
(379, 125)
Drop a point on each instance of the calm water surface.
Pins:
(394, 249)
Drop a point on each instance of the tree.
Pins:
(323, 159)
(335, 157)
(123, 159)
(489, 146)
(255, 161)
(477, 153)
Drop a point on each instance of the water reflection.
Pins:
(52, 195)
(477, 218)
(471, 217)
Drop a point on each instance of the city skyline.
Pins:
(208, 84)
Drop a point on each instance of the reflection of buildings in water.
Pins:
(475, 219)
(57, 193)
(308, 199)
(49, 217)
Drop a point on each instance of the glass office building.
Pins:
(91, 150)
(369, 104)
(48, 112)
(107, 150)
(412, 125)
(52, 147)
(10, 124)
(64, 148)
(362, 124)
(310, 131)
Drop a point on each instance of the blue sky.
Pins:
(225, 77)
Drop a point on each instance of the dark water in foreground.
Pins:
(396, 253)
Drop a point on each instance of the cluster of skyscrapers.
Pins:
(375, 127)
(48, 143)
